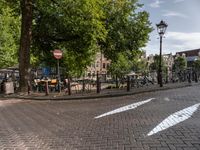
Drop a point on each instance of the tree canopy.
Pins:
(155, 65)
(180, 64)
(196, 65)
(9, 35)
(128, 29)
(79, 28)
(120, 67)
(72, 26)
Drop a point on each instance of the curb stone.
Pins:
(97, 96)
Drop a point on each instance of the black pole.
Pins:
(128, 84)
(195, 76)
(46, 88)
(189, 77)
(160, 63)
(69, 86)
(83, 89)
(167, 74)
(98, 84)
(58, 68)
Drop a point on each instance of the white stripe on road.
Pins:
(175, 118)
(124, 108)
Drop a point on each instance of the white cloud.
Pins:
(156, 4)
(178, 1)
(174, 42)
(179, 41)
(174, 14)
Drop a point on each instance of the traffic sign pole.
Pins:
(59, 88)
(58, 55)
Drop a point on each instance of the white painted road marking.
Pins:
(124, 108)
(175, 118)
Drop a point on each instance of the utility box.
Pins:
(8, 87)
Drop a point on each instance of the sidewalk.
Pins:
(103, 94)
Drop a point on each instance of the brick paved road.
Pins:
(45, 125)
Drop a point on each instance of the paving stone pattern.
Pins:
(70, 125)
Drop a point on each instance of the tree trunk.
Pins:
(25, 42)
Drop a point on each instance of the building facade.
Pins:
(168, 60)
(100, 65)
(190, 55)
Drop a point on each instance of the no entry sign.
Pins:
(57, 54)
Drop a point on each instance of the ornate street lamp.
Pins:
(161, 28)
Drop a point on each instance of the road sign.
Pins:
(57, 54)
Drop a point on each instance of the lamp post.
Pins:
(161, 28)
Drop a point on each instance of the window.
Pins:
(104, 65)
(97, 64)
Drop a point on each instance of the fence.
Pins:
(100, 83)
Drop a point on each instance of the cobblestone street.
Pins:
(71, 125)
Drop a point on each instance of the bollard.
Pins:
(83, 89)
(196, 78)
(128, 83)
(98, 84)
(29, 87)
(189, 77)
(69, 87)
(46, 88)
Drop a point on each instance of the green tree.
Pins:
(139, 63)
(9, 35)
(72, 26)
(180, 64)
(155, 66)
(120, 68)
(25, 44)
(80, 29)
(196, 64)
(24, 9)
(128, 29)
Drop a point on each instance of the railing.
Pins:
(81, 86)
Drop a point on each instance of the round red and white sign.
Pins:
(57, 54)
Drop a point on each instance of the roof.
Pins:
(189, 53)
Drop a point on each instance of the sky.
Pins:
(183, 19)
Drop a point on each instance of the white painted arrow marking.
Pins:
(174, 119)
(124, 108)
